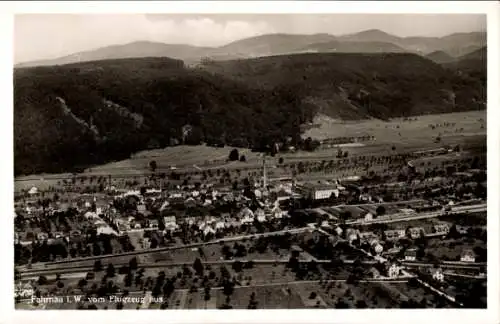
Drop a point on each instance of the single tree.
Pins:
(234, 155)
(380, 210)
(82, 283)
(110, 271)
(198, 267)
(97, 266)
(42, 280)
(237, 266)
(153, 166)
(133, 263)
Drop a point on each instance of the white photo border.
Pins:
(9, 315)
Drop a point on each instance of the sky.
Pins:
(47, 36)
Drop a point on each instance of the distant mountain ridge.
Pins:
(369, 41)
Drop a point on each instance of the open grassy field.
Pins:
(177, 156)
(273, 297)
(402, 131)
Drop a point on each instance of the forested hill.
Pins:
(356, 85)
(72, 116)
(75, 115)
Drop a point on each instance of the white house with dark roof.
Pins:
(260, 215)
(277, 213)
(442, 229)
(411, 255)
(153, 223)
(246, 216)
(396, 234)
(170, 223)
(416, 232)
(468, 256)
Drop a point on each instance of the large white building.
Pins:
(318, 191)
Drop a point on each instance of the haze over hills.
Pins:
(370, 41)
(454, 45)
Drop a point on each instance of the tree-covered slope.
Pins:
(75, 115)
(358, 85)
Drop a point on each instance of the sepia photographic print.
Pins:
(238, 161)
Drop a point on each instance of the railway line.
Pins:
(405, 217)
(457, 266)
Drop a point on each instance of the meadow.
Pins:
(403, 131)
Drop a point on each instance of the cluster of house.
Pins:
(376, 241)
(206, 225)
(23, 290)
(189, 196)
(107, 220)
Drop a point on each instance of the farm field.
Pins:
(176, 156)
(343, 295)
(406, 132)
(274, 287)
(273, 297)
(314, 295)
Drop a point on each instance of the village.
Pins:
(415, 234)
